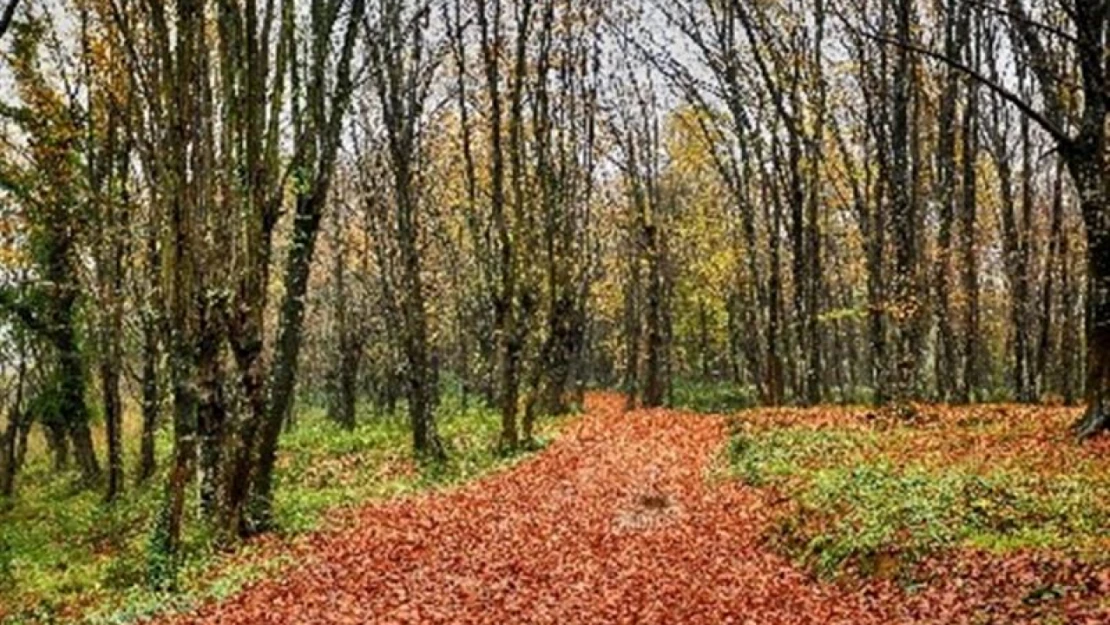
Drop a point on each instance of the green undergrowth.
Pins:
(66, 557)
(862, 500)
(710, 397)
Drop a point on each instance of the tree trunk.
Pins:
(799, 372)
(1052, 261)
(560, 348)
(113, 416)
(956, 33)
(347, 386)
(8, 440)
(151, 315)
(151, 402)
(211, 411)
(1014, 268)
(814, 284)
(1067, 304)
(56, 439)
(184, 196)
(166, 543)
(654, 384)
(1014, 246)
(322, 130)
(422, 387)
(344, 377)
(286, 355)
(1091, 182)
(10, 460)
(1097, 416)
(632, 325)
(71, 372)
(775, 384)
(969, 254)
(902, 213)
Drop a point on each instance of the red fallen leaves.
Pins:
(1024, 587)
(615, 523)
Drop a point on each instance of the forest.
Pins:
(554, 311)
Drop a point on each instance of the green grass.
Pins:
(862, 499)
(65, 556)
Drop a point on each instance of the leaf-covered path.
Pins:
(614, 523)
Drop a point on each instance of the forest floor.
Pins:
(67, 557)
(640, 517)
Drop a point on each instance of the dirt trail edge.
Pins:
(614, 523)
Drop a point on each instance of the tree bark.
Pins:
(348, 356)
(286, 353)
(212, 410)
(71, 390)
(113, 421)
(632, 325)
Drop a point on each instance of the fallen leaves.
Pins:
(614, 523)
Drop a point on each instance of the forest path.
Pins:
(616, 522)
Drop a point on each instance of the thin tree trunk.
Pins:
(956, 32)
(1068, 366)
(113, 417)
(654, 386)
(1052, 261)
(632, 325)
(902, 213)
(151, 402)
(18, 422)
(184, 197)
(775, 378)
(969, 254)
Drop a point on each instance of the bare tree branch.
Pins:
(1035, 50)
(6, 16)
(1043, 121)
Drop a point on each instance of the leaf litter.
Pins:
(614, 523)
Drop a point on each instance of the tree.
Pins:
(638, 137)
(318, 137)
(564, 93)
(403, 75)
(51, 191)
